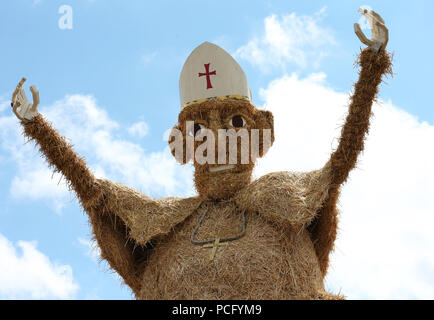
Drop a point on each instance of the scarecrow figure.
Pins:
(237, 239)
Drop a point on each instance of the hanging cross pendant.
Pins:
(214, 247)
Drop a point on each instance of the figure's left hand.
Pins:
(380, 34)
(23, 109)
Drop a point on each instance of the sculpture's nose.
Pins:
(214, 122)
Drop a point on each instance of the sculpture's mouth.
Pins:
(221, 168)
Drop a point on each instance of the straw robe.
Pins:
(291, 220)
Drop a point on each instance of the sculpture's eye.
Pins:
(197, 129)
(237, 121)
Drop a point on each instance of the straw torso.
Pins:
(267, 263)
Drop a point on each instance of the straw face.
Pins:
(216, 114)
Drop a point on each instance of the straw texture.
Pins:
(373, 66)
(291, 217)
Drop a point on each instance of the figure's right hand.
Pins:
(380, 33)
(23, 109)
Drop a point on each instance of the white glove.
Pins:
(23, 109)
(380, 34)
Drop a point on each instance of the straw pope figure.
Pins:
(237, 239)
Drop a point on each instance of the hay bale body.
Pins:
(274, 260)
(267, 263)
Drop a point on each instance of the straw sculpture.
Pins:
(284, 224)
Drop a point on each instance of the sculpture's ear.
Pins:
(264, 121)
(178, 144)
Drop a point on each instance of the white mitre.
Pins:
(211, 72)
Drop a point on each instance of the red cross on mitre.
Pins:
(208, 74)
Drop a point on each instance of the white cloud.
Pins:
(385, 243)
(139, 129)
(29, 274)
(96, 137)
(33, 179)
(4, 105)
(39, 183)
(290, 39)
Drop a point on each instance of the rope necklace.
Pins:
(217, 239)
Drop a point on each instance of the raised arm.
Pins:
(112, 234)
(54, 147)
(125, 223)
(374, 62)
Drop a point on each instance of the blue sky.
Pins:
(118, 69)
